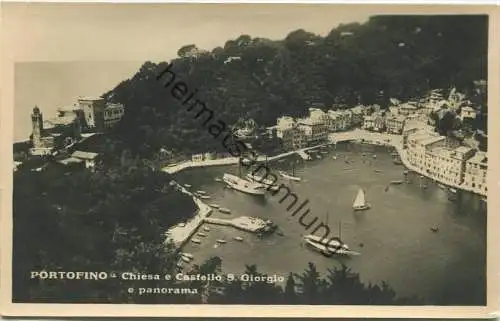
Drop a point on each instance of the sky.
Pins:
(67, 50)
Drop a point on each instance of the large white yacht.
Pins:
(243, 185)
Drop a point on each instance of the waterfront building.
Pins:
(378, 122)
(113, 113)
(394, 123)
(357, 114)
(368, 122)
(316, 132)
(447, 165)
(197, 158)
(476, 171)
(294, 138)
(339, 120)
(284, 123)
(417, 145)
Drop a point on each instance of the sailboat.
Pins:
(360, 203)
(290, 177)
(329, 246)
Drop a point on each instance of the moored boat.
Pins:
(206, 229)
(290, 177)
(224, 210)
(397, 182)
(205, 197)
(201, 234)
(261, 180)
(238, 238)
(214, 205)
(187, 185)
(188, 255)
(243, 185)
(333, 242)
(221, 241)
(319, 248)
(196, 241)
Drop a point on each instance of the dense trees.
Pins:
(111, 220)
(389, 56)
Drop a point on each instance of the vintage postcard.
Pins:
(265, 160)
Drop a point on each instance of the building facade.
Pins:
(316, 132)
(369, 122)
(113, 113)
(476, 173)
(283, 123)
(467, 112)
(447, 165)
(93, 110)
(294, 138)
(394, 124)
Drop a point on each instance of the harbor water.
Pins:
(397, 245)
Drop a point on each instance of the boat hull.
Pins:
(362, 207)
(244, 186)
(292, 178)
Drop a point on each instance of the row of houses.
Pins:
(314, 129)
(444, 160)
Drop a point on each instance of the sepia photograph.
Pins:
(276, 156)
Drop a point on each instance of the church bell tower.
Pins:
(37, 126)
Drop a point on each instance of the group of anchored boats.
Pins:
(258, 185)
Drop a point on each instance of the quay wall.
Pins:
(229, 161)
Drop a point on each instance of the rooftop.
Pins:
(479, 157)
(70, 160)
(463, 149)
(90, 98)
(308, 121)
(84, 155)
(432, 140)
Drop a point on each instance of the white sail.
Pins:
(360, 202)
(360, 199)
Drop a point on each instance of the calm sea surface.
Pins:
(394, 236)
